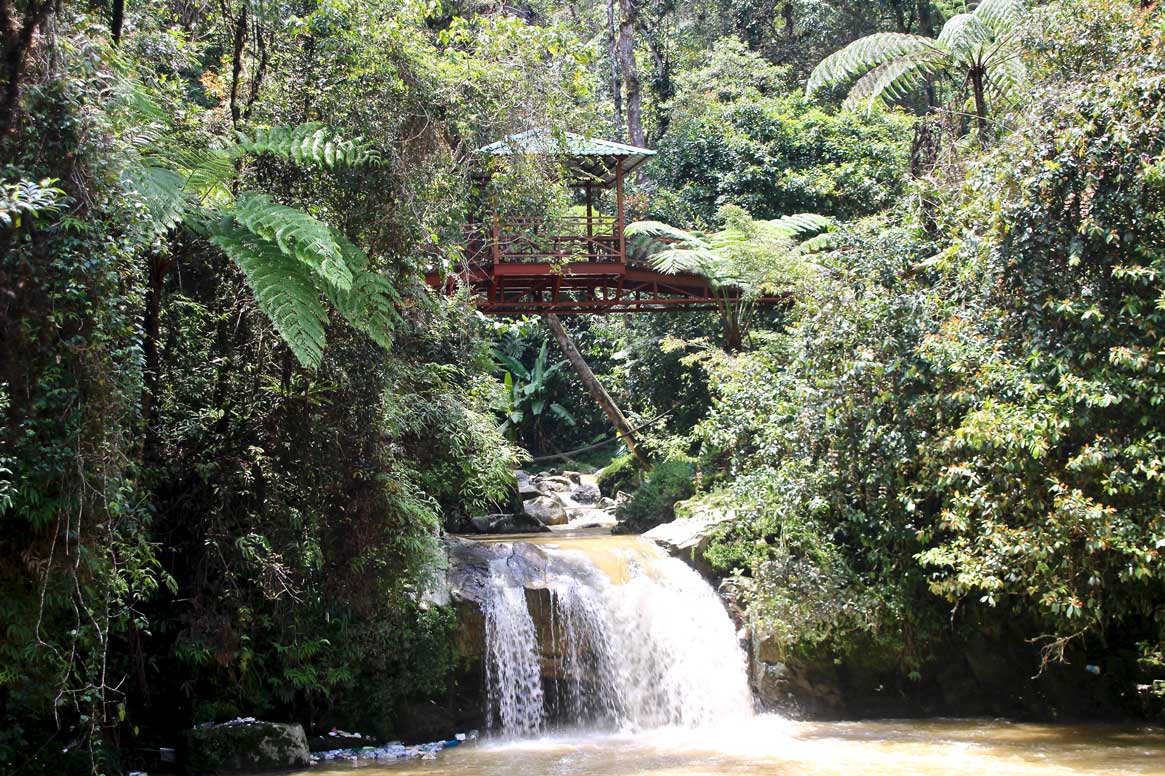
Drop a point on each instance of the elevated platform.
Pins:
(522, 288)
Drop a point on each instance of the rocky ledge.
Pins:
(554, 499)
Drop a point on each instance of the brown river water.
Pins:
(628, 604)
(774, 746)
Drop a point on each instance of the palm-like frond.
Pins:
(283, 288)
(372, 302)
(799, 224)
(666, 233)
(869, 52)
(674, 261)
(967, 37)
(311, 143)
(1000, 15)
(297, 234)
(163, 191)
(892, 80)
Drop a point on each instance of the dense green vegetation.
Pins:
(236, 421)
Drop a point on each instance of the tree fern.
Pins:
(869, 52)
(978, 49)
(297, 234)
(283, 288)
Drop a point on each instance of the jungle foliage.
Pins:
(234, 421)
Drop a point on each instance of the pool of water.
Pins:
(774, 746)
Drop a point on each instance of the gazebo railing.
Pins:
(556, 240)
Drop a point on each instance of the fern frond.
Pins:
(674, 261)
(666, 233)
(1005, 79)
(163, 192)
(869, 52)
(1001, 16)
(891, 80)
(822, 242)
(967, 38)
(283, 288)
(370, 305)
(311, 143)
(297, 234)
(798, 224)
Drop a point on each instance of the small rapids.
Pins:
(626, 637)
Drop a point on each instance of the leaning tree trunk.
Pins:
(596, 389)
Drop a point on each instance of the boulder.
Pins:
(555, 483)
(547, 510)
(687, 536)
(586, 493)
(507, 524)
(527, 488)
(246, 745)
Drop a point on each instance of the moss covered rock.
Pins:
(246, 746)
(621, 474)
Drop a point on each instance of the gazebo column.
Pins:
(619, 210)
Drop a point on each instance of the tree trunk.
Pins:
(980, 101)
(596, 389)
(625, 48)
(616, 81)
(116, 21)
(237, 64)
(18, 29)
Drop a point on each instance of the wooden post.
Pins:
(591, 251)
(619, 210)
(596, 389)
(494, 249)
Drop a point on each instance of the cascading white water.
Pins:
(512, 672)
(652, 647)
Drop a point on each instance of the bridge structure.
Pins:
(568, 264)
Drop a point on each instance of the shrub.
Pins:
(654, 502)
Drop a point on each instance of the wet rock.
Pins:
(735, 593)
(547, 510)
(587, 493)
(246, 745)
(506, 524)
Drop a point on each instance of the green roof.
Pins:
(599, 155)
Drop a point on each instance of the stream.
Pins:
(604, 656)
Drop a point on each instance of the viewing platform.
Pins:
(568, 264)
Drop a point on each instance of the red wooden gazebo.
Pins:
(571, 264)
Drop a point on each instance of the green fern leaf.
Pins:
(866, 53)
(311, 143)
(370, 305)
(890, 80)
(967, 38)
(283, 288)
(1000, 15)
(297, 234)
(163, 192)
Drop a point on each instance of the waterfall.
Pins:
(619, 637)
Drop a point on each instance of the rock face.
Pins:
(246, 745)
(687, 537)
